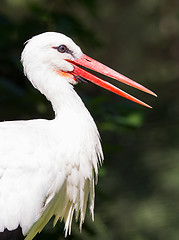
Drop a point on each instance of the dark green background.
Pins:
(137, 197)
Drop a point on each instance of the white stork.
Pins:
(48, 167)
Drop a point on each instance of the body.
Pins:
(39, 162)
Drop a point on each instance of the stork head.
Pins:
(58, 53)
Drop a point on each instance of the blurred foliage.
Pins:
(137, 195)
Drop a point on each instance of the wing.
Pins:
(41, 176)
(81, 154)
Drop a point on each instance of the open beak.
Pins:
(90, 63)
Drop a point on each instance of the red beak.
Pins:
(90, 63)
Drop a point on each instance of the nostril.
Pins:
(87, 60)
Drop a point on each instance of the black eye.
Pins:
(62, 48)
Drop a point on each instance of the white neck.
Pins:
(61, 94)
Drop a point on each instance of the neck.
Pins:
(72, 119)
(60, 93)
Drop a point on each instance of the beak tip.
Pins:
(154, 94)
(146, 105)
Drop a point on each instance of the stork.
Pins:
(48, 167)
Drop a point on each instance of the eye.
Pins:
(62, 48)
